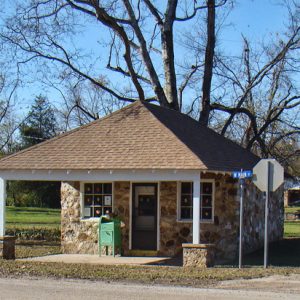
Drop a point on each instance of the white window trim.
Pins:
(95, 219)
(179, 220)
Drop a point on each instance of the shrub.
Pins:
(28, 233)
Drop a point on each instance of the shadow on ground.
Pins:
(284, 253)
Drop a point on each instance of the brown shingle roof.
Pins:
(139, 136)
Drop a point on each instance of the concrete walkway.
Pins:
(102, 260)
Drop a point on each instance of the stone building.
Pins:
(164, 175)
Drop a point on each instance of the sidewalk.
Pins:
(103, 260)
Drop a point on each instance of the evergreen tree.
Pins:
(40, 123)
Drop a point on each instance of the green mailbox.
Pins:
(109, 234)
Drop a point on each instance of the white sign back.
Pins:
(260, 175)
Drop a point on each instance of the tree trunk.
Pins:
(168, 55)
(208, 67)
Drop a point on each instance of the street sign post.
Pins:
(241, 175)
(268, 175)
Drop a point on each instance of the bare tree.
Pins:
(141, 41)
(8, 122)
(263, 112)
(84, 102)
(252, 99)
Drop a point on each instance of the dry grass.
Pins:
(139, 274)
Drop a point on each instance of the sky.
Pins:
(255, 19)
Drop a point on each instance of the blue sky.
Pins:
(256, 19)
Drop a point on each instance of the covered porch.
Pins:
(124, 184)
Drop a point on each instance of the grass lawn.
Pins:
(32, 216)
(292, 209)
(292, 229)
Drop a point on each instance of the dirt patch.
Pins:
(278, 283)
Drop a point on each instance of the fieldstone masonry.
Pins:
(201, 256)
(7, 247)
(77, 236)
(81, 236)
(121, 209)
(223, 231)
(254, 217)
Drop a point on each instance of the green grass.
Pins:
(292, 229)
(292, 209)
(32, 216)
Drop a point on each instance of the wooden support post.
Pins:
(2, 206)
(196, 210)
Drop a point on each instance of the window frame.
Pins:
(82, 194)
(179, 219)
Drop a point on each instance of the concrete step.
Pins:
(145, 253)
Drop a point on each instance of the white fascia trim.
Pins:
(101, 175)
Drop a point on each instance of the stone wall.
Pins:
(254, 217)
(81, 236)
(172, 233)
(121, 208)
(223, 231)
(77, 236)
(276, 213)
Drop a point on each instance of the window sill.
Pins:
(191, 221)
(92, 219)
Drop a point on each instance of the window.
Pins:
(97, 199)
(206, 204)
(186, 211)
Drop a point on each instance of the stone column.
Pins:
(200, 255)
(8, 247)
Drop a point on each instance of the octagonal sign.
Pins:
(260, 174)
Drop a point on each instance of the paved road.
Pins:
(80, 289)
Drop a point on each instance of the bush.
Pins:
(26, 233)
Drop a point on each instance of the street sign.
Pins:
(242, 174)
(260, 175)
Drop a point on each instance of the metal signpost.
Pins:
(241, 175)
(268, 175)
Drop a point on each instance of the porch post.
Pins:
(196, 210)
(2, 206)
